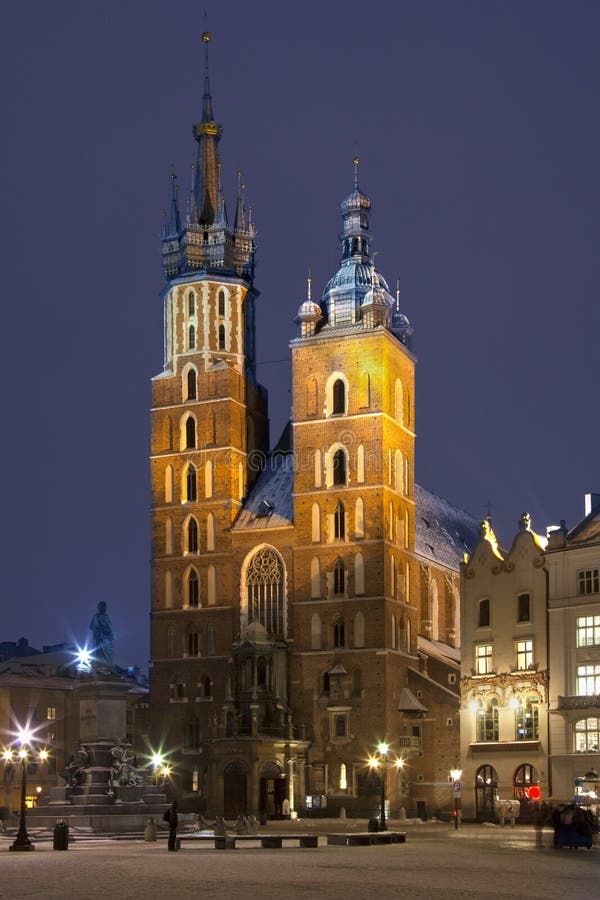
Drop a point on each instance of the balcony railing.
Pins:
(589, 701)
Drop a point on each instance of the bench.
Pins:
(268, 841)
(365, 838)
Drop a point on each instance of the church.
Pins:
(305, 598)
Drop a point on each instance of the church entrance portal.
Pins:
(235, 801)
(273, 791)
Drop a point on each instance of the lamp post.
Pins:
(379, 760)
(455, 776)
(22, 841)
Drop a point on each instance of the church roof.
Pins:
(270, 504)
(443, 532)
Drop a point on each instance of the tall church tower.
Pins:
(353, 438)
(208, 413)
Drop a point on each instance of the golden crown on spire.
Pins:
(206, 36)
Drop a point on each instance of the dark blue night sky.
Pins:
(478, 132)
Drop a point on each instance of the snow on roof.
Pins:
(438, 650)
(407, 702)
(270, 503)
(443, 532)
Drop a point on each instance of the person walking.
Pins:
(172, 818)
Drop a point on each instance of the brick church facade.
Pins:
(305, 601)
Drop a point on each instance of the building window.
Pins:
(339, 578)
(211, 640)
(51, 713)
(587, 735)
(339, 633)
(588, 631)
(190, 483)
(527, 719)
(525, 777)
(588, 581)
(193, 643)
(221, 337)
(588, 680)
(193, 733)
(340, 726)
(524, 654)
(265, 589)
(483, 659)
(339, 522)
(339, 397)
(192, 536)
(191, 338)
(487, 722)
(177, 688)
(191, 303)
(193, 592)
(483, 619)
(221, 303)
(524, 608)
(195, 781)
(343, 778)
(339, 467)
(191, 385)
(190, 433)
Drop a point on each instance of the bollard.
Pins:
(60, 840)
(150, 831)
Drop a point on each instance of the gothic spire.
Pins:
(240, 216)
(174, 226)
(207, 134)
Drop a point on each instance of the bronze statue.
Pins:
(101, 628)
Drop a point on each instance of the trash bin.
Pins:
(61, 836)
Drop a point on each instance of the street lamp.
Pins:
(455, 776)
(24, 740)
(380, 761)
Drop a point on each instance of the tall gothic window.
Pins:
(191, 303)
(265, 586)
(339, 397)
(221, 337)
(339, 578)
(191, 384)
(190, 483)
(190, 432)
(192, 536)
(339, 522)
(191, 338)
(339, 633)
(339, 467)
(221, 303)
(193, 591)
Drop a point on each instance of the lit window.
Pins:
(483, 619)
(527, 719)
(588, 680)
(487, 722)
(51, 713)
(343, 778)
(524, 654)
(524, 608)
(587, 735)
(339, 578)
(195, 781)
(588, 581)
(483, 659)
(588, 631)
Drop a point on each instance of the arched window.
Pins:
(168, 590)
(398, 471)
(339, 397)
(524, 778)
(192, 392)
(193, 643)
(340, 475)
(169, 535)
(339, 633)
(316, 523)
(212, 585)
(315, 578)
(265, 591)
(191, 338)
(190, 433)
(318, 468)
(360, 464)
(208, 478)
(527, 719)
(359, 629)
(487, 722)
(486, 787)
(359, 574)
(193, 589)
(312, 397)
(210, 531)
(315, 632)
(211, 639)
(206, 686)
(587, 735)
(339, 522)
(191, 304)
(169, 484)
(339, 578)
(364, 390)
(398, 402)
(221, 337)
(359, 519)
(191, 536)
(190, 486)
(221, 303)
